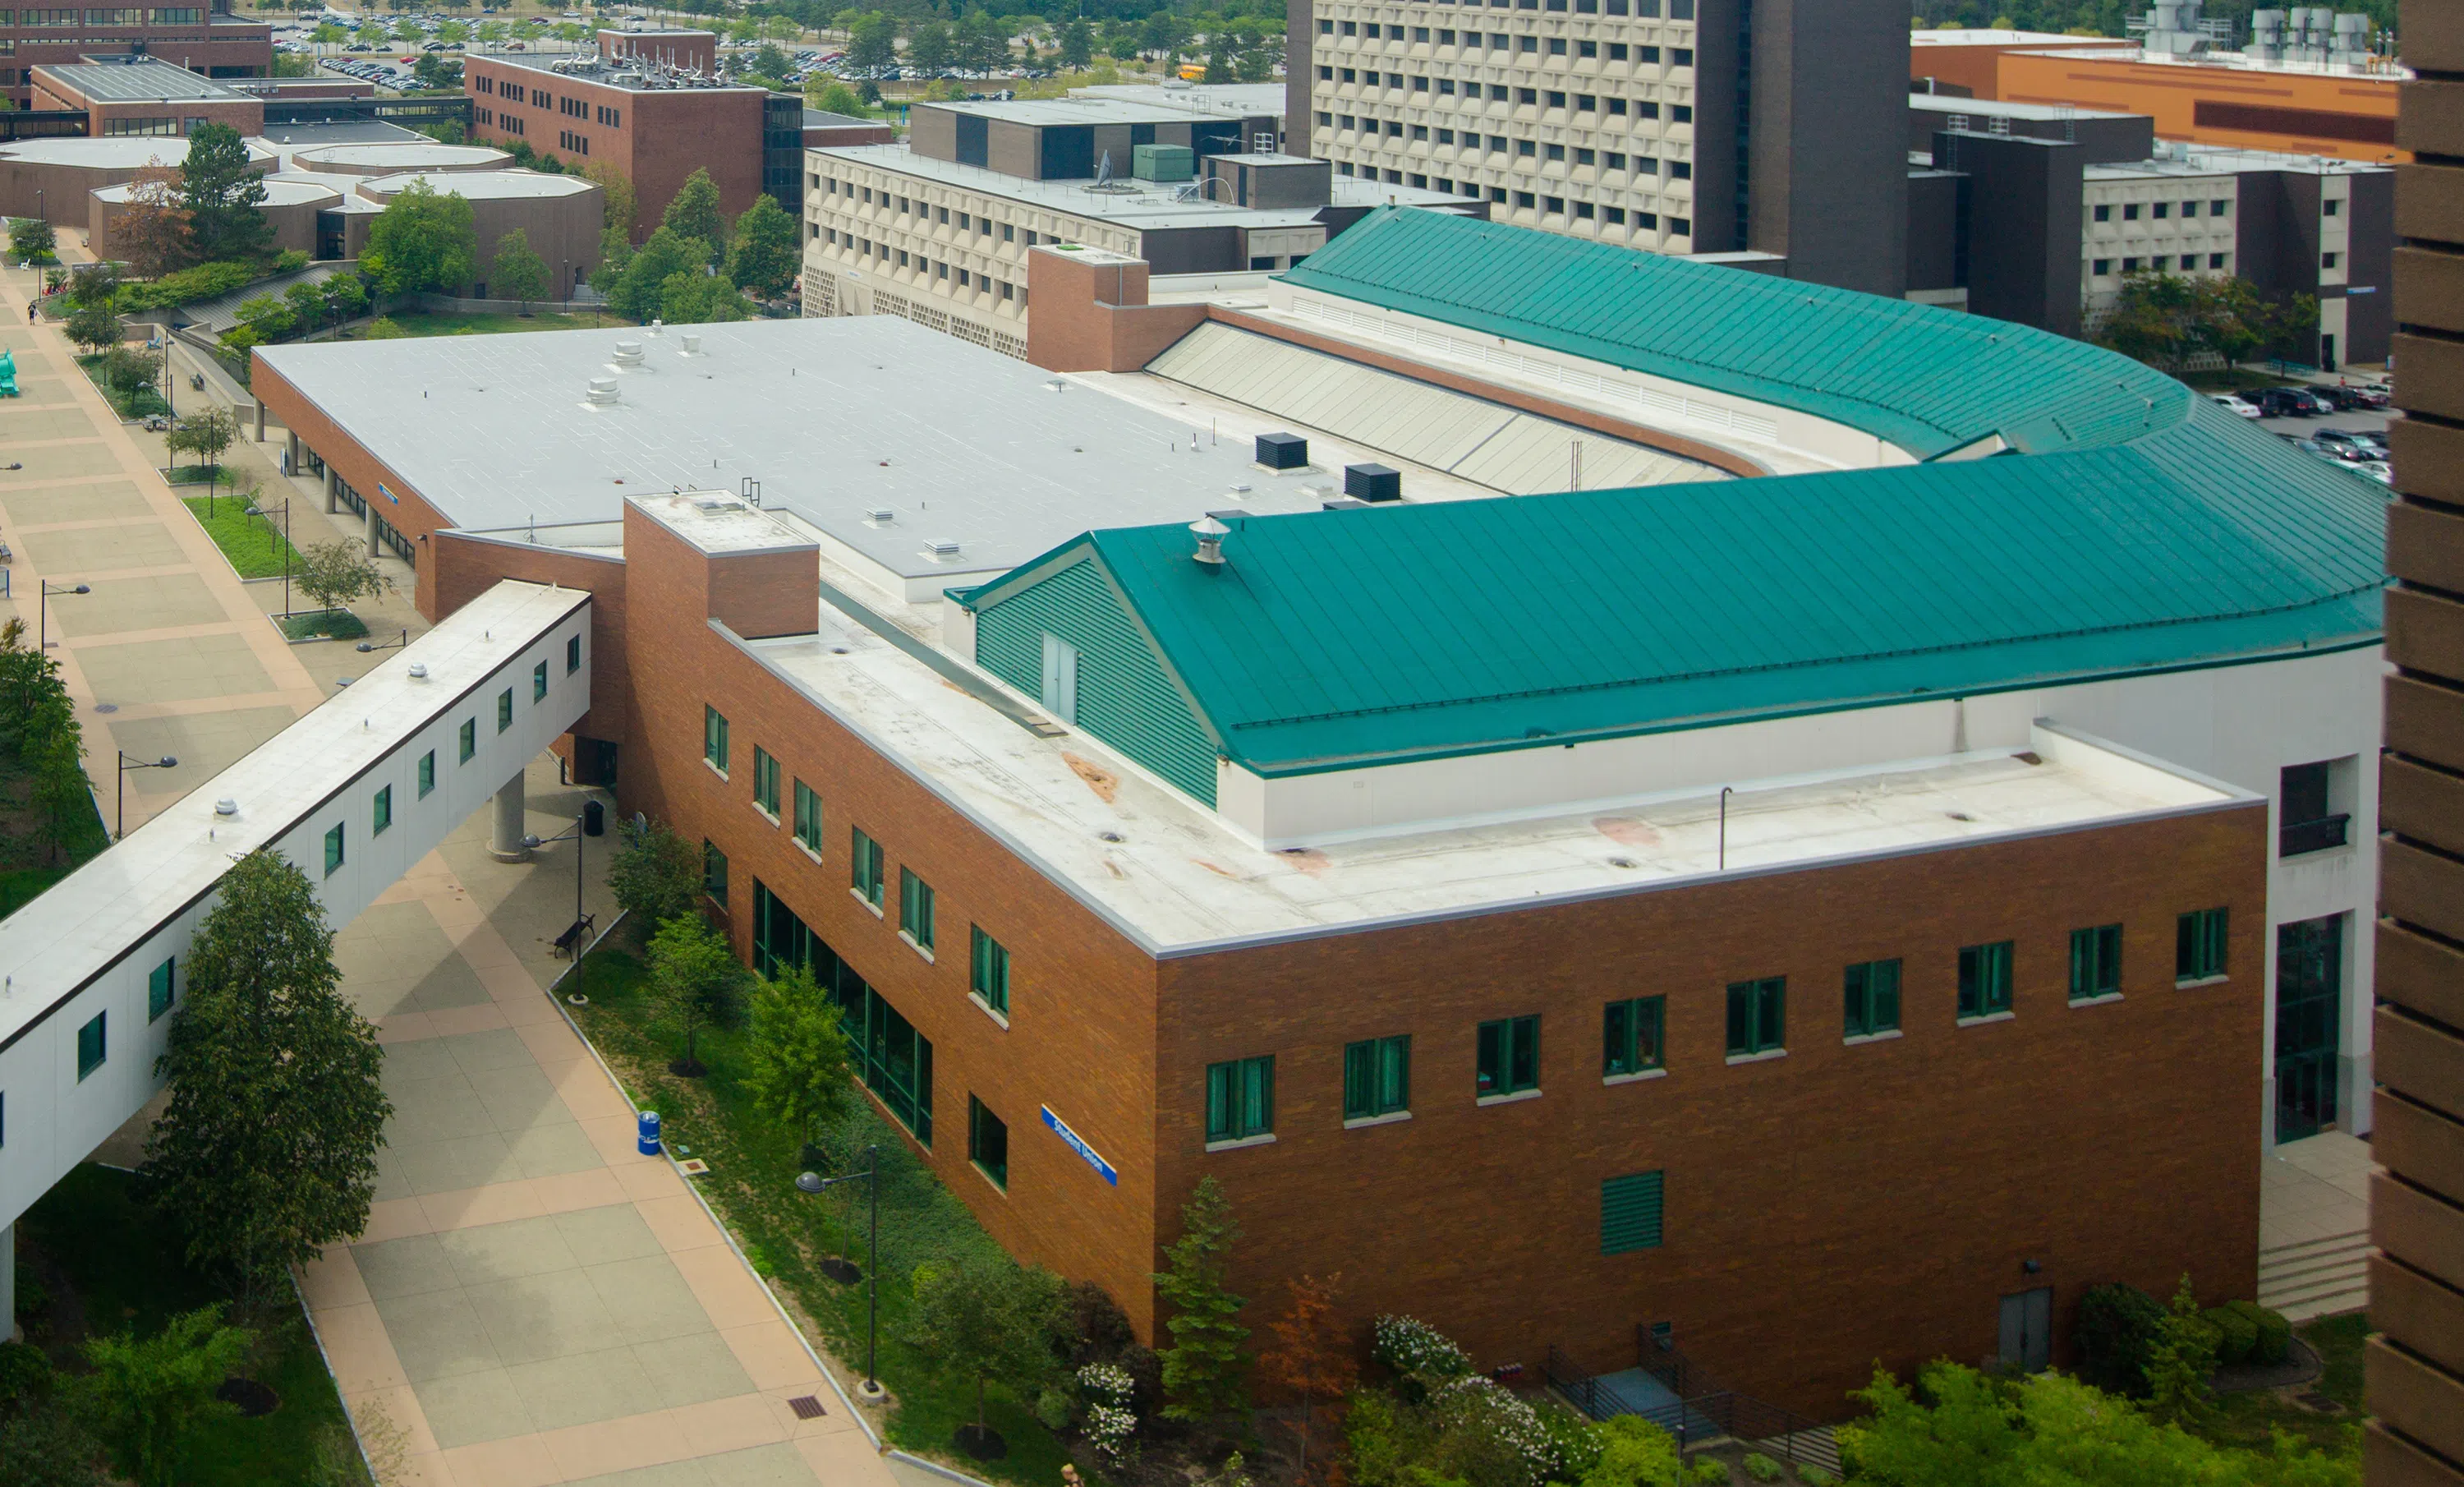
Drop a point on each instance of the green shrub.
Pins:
(24, 1373)
(2118, 1329)
(2237, 1334)
(203, 281)
(1709, 1471)
(1761, 1468)
(289, 261)
(1055, 1408)
(2272, 1336)
(1814, 1476)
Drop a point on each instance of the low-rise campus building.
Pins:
(1889, 793)
(206, 38)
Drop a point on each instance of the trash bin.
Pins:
(646, 1142)
(594, 818)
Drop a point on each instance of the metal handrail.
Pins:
(2296, 837)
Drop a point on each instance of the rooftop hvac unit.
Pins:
(1373, 482)
(1283, 451)
(1162, 162)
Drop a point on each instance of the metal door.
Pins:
(2028, 1329)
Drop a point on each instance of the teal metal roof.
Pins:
(1924, 379)
(2154, 532)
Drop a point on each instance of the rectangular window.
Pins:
(538, 687)
(1509, 1057)
(988, 1143)
(572, 654)
(1757, 1017)
(713, 737)
(1873, 998)
(1630, 1033)
(2199, 945)
(914, 908)
(2104, 212)
(381, 811)
(988, 970)
(504, 709)
(1376, 1077)
(427, 773)
(765, 781)
(2103, 266)
(160, 990)
(714, 872)
(90, 1046)
(1241, 1098)
(1985, 979)
(808, 817)
(470, 739)
(2304, 823)
(1630, 1212)
(865, 874)
(334, 848)
(2096, 962)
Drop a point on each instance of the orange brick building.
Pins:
(2302, 110)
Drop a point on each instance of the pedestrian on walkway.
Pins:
(33, 308)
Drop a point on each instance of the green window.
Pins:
(1873, 998)
(1509, 1056)
(427, 773)
(864, 873)
(1376, 1077)
(1241, 1098)
(988, 1143)
(333, 849)
(1757, 1017)
(765, 781)
(1630, 1211)
(1630, 1032)
(713, 737)
(2096, 962)
(538, 682)
(90, 1049)
(808, 817)
(572, 654)
(916, 908)
(2199, 945)
(381, 811)
(504, 709)
(470, 739)
(714, 872)
(988, 974)
(161, 990)
(1985, 979)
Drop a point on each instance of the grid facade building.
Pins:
(203, 37)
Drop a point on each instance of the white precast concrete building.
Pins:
(354, 793)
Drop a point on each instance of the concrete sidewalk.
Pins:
(532, 1300)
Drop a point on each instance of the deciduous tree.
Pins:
(30, 240)
(616, 189)
(872, 42)
(224, 196)
(698, 979)
(693, 213)
(1206, 1373)
(518, 273)
(1309, 1358)
(766, 256)
(797, 1059)
(423, 241)
(268, 1150)
(2185, 1354)
(657, 877)
(989, 1318)
(204, 433)
(635, 290)
(94, 326)
(147, 1397)
(335, 574)
(152, 232)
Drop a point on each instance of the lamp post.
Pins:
(259, 511)
(119, 787)
(574, 833)
(813, 1185)
(43, 610)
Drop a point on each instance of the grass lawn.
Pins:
(321, 625)
(144, 400)
(752, 1172)
(26, 863)
(419, 323)
(114, 1267)
(2247, 1420)
(254, 545)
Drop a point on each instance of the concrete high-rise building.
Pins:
(1757, 128)
(2416, 1365)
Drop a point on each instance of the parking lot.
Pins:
(2355, 438)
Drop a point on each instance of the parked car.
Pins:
(2343, 438)
(2234, 404)
(2342, 453)
(2377, 470)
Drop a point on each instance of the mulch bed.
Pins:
(2300, 1366)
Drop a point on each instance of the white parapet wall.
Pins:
(481, 696)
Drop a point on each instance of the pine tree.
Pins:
(2185, 1354)
(268, 1151)
(1206, 1374)
(224, 194)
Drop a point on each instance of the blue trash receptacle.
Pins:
(648, 1140)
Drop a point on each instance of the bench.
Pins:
(567, 943)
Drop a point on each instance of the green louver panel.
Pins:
(1630, 1213)
(1124, 697)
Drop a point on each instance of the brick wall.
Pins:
(410, 514)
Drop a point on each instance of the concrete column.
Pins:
(505, 842)
(8, 1284)
(333, 491)
(291, 464)
(373, 521)
(260, 420)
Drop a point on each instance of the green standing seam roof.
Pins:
(2159, 533)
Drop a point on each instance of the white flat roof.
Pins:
(1987, 37)
(836, 418)
(1174, 877)
(484, 185)
(48, 952)
(422, 155)
(1225, 100)
(118, 152)
(279, 192)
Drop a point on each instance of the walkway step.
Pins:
(2300, 1248)
(2333, 1304)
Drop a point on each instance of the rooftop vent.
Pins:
(1283, 451)
(658, 328)
(710, 505)
(419, 671)
(941, 550)
(1210, 534)
(1373, 482)
(879, 515)
(227, 807)
(628, 353)
(603, 391)
(692, 344)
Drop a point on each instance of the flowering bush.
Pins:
(1110, 1423)
(1410, 1346)
(1487, 1427)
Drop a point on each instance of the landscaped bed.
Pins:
(320, 625)
(421, 322)
(141, 402)
(254, 545)
(110, 1265)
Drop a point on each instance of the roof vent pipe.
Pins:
(1210, 534)
(658, 328)
(628, 353)
(603, 391)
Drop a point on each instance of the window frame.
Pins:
(988, 972)
(162, 989)
(335, 849)
(865, 872)
(467, 740)
(714, 873)
(1866, 987)
(765, 783)
(538, 683)
(1626, 1026)
(995, 1172)
(427, 773)
(1988, 980)
(100, 1031)
(504, 709)
(1763, 1001)
(572, 654)
(380, 811)
(1506, 1058)
(1241, 1092)
(916, 909)
(714, 739)
(2202, 947)
(807, 828)
(1378, 1079)
(2096, 964)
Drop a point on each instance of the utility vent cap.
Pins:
(692, 344)
(603, 391)
(227, 807)
(879, 515)
(628, 353)
(941, 550)
(1210, 534)
(419, 671)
